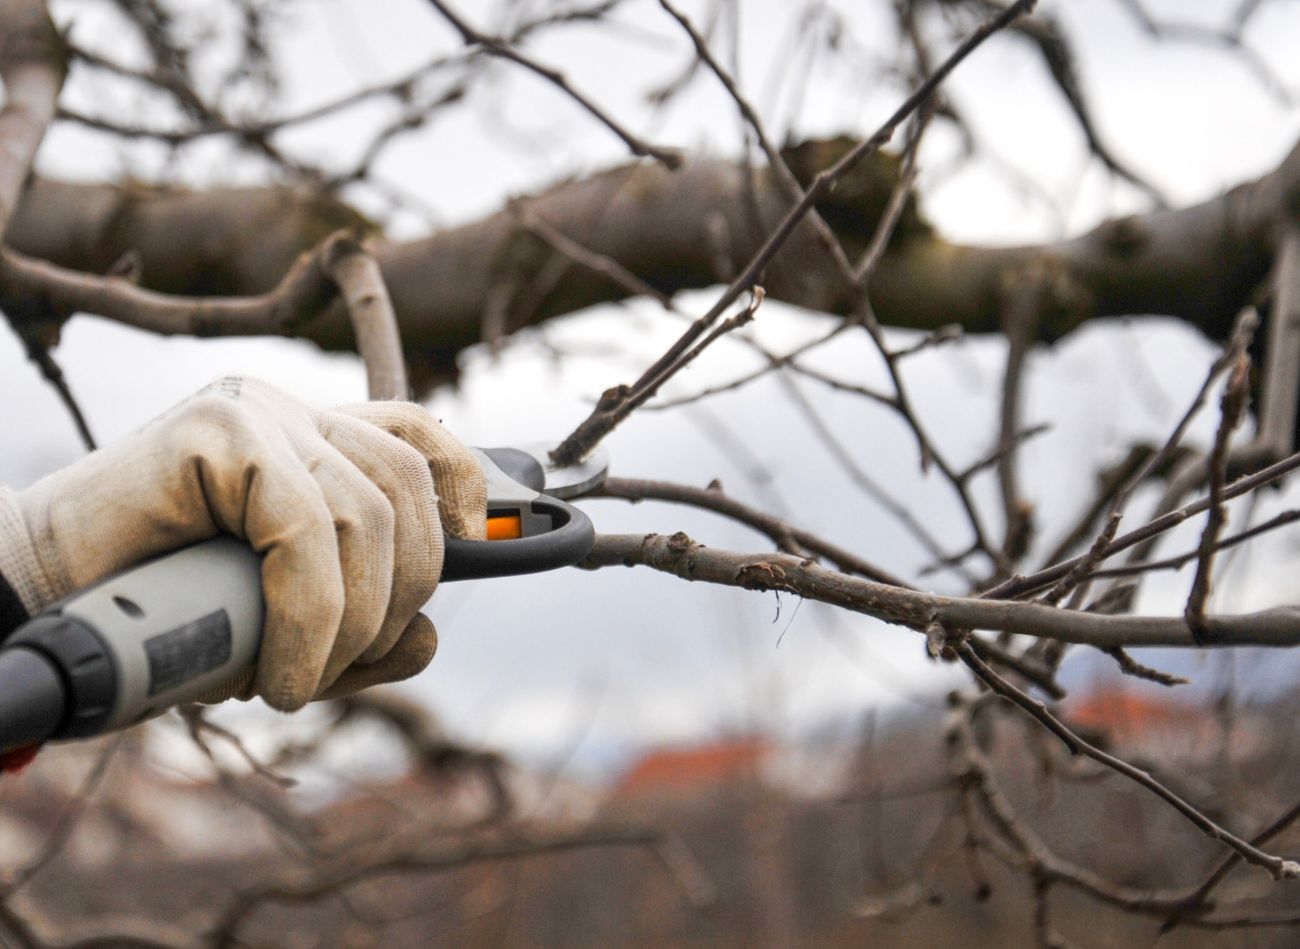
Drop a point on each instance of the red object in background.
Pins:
(696, 768)
(13, 762)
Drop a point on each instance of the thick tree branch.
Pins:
(1200, 263)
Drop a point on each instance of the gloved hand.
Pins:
(346, 506)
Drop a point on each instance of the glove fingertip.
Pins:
(420, 641)
(284, 696)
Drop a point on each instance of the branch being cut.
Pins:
(679, 555)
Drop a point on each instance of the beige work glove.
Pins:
(346, 506)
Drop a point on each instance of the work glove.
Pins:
(346, 506)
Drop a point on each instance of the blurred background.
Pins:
(627, 692)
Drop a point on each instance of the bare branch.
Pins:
(1235, 398)
(379, 344)
(1020, 586)
(496, 46)
(679, 555)
(785, 536)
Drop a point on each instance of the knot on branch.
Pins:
(856, 203)
(680, 543)
(942, 642)
(1043, 300)
(341, 244)
(1124, 237)
(761, 576)
(613, 397)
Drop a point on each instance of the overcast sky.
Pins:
(624, 656)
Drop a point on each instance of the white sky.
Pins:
(621, 656)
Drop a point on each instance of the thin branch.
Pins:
(785, 536)
(1131, 667)
(1199, 899)
(1235, 399)
(40, 354)
(497, 46)
(1181, 560)
(598, 263)
(299, 297)
(899, 511)
(1026, 299)
(1021, 586)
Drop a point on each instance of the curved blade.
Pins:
(570, 481)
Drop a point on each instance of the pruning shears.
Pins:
(173, 629)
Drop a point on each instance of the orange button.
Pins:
(505, 527)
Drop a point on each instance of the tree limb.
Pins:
(679, 555)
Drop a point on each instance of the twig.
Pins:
(197, 722)
(1130, 666)
(1021, 312)
(785, 536)
(1229, 38)
(1235, 399)
(602, 264)
(1181, 560)
(1020, 586)
(298, 297)
(53, 373)
(785, 177)
(869, 485)
(1238, 343)
(1198, 900)
(496, 46)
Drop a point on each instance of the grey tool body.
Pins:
(161, 634)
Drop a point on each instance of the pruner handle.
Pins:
(528, 531)
(562, 535)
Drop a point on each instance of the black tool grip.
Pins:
(570, 539)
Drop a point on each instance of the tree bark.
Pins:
(674, 230)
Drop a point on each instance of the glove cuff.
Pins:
(22, 583)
